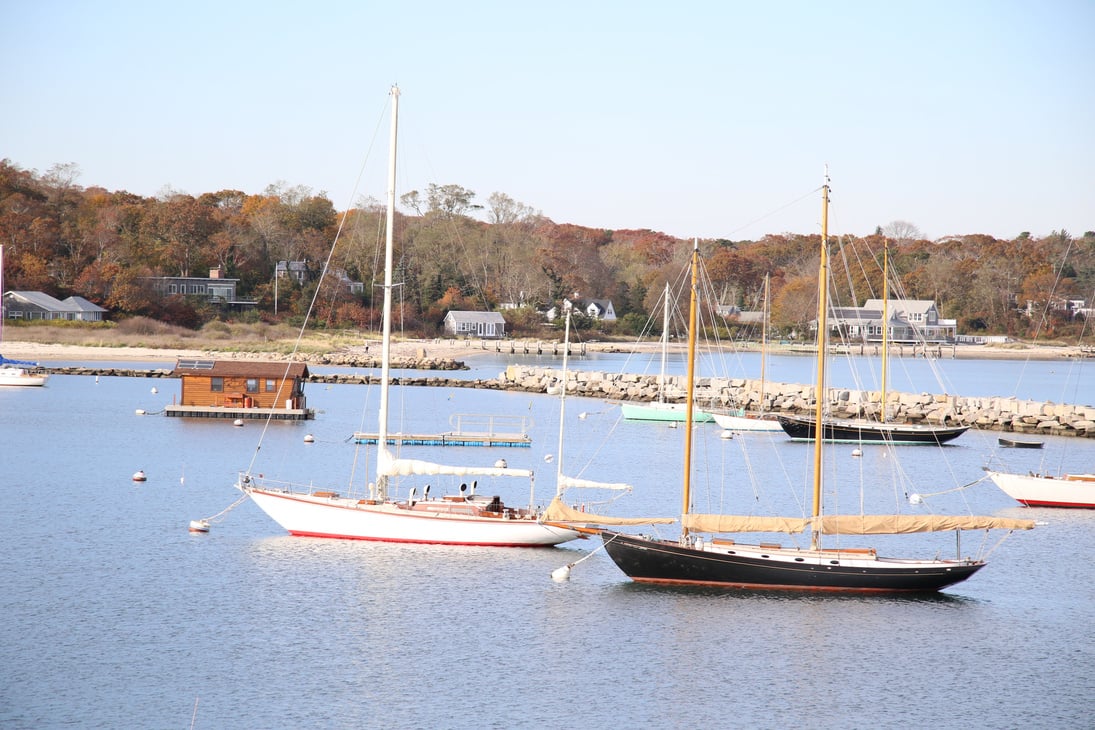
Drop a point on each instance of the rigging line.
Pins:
(229, 508)
(959, 488)
(777, 210)
(319, 287)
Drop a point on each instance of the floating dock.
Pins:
(260, 414)
(447, 439)
(468, 430)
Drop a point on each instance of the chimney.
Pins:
(215, 273)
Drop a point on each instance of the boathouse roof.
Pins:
(240, 369)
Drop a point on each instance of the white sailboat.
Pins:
(661, 409)
(741, 421)
(16, 372)
(693, 559)
(464, 518)
(1044, 490)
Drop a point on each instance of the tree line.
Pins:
(453, 252)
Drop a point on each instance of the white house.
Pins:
(912, 320)
(490, 325)
(593, 308)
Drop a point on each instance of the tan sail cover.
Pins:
(743, 523)
(557, 511)
(900, 524)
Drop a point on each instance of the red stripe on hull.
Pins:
(1071, 505)
(416, 542)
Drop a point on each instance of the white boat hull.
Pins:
(429, 521)
(20, 377)
(745, 423)
(1071, 490)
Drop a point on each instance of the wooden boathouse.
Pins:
(241, 389)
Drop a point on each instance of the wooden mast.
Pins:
(688, 403)
(822, 345)
(764, 341)
(885, 319)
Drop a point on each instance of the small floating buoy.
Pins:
(199, 525)
(915, 498)
(309, 438)
(726, 435)
(138, 476)
(560, 574)
(582, 415)
(672, 424)
(857, 452)
(237, 422)
(500, 464)
(154, 390)
(140, 411)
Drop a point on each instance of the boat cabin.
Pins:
(242, 384)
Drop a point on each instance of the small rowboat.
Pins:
(1015, 444)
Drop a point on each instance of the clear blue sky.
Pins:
(710, 119)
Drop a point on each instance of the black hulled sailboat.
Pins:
(693, 560)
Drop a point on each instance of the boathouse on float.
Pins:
(241, 389)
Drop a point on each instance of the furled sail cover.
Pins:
(566, 482)
(743, 523)
(559, 512)
(900, 524)
(391, 467)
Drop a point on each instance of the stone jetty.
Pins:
(996, 413)
(992, 414)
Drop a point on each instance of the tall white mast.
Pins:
(386, 341)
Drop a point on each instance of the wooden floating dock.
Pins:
(276, 414)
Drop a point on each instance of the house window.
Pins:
(271, 386)
(216, 385)
(252, 385)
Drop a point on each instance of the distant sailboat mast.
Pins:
(822, 346)
(764, 340)
(885, 320)
(689, 401)
(386, 341)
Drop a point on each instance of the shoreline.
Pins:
(469, 349)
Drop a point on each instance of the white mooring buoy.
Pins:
(139, 476)
(560, 574)
(199, 525)
(500, 464)
(309, 438)
(237, 422)
(857, 452)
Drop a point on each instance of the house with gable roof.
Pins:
(31, 305)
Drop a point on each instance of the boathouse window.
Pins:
(252, 385)
(271, 386)
(216, 385)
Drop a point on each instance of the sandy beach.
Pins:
(466, 349)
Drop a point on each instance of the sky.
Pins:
(696, 119)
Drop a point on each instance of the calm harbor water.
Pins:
(116, 616)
